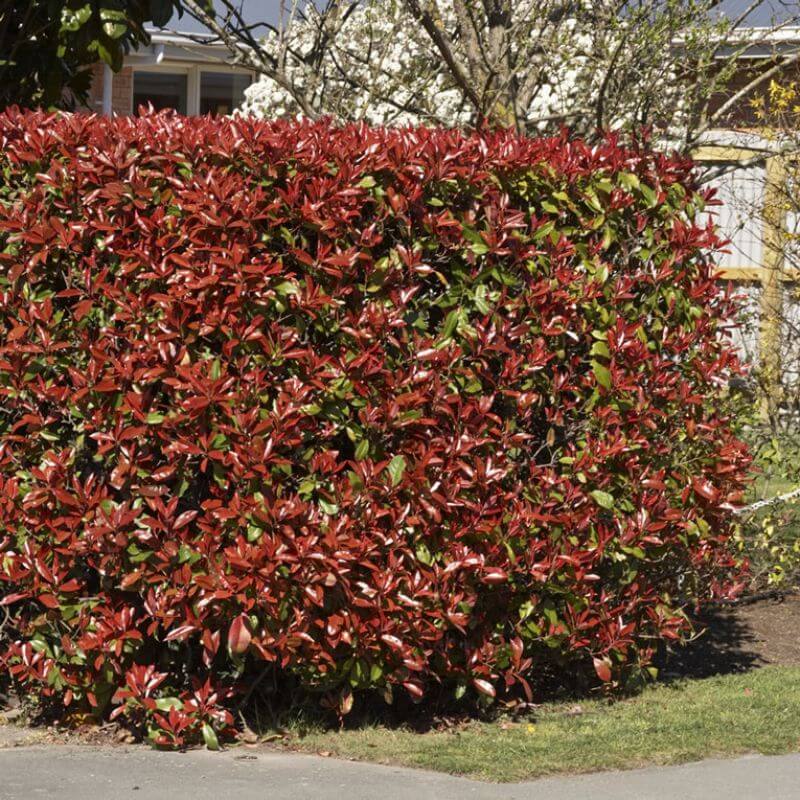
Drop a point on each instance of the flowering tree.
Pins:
(532, 64)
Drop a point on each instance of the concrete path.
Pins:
(137, 773)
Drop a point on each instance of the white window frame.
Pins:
(193, 73)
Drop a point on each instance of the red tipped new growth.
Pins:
(382, 408)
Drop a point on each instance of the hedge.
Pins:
(392, 410)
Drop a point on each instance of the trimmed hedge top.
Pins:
(382, 408)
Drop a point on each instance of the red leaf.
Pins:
(484, 687)
(517, 648)
(239, 635)
(414, 689)
(705, 489)
(346, 701)
(392, 641)
(8, 599)
(16, 333)
(184, 519)
(80, 310)
(602, 666)
(495, 576)
(181, 632)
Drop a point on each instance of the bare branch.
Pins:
(772, 501)
(457, 69)
(731, 102)
(249, 52)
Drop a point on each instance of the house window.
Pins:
(222, 92)
(162, 89)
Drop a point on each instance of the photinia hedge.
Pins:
(370, 409)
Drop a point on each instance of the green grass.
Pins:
(666, 724)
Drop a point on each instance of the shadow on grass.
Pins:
(726, 643)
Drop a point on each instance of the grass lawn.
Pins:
(722, 716)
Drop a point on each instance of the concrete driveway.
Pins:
(137, 773)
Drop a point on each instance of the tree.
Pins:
(532, 64)
(47, 46)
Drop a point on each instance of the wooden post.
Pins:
(770, 274)
(771, 305)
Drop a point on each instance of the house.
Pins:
(760, 210)
(174, 71)
(182, 68)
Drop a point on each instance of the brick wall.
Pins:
(742, 115)
(121, 93)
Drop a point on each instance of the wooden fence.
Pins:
(756, 217)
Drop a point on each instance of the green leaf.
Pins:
(185, 553)
(167, 703)
(603, 499)
(478, 245)
(155, 418)
(355, 480)
(287, 287)
(602, 374)
(72, 20)
(329, 508)
(137, 556)
(550, 613)
(114, 30)
(650, 195)
(396, 468)
(109, 52)
(362, 448)
(480, 300)
(210, 737)
(628, 180)
(471, 235)
(424, 555)
(450, 324)
(160, 11)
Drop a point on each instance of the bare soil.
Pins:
(738, 638)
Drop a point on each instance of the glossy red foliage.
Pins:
(380, 408)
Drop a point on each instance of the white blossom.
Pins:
(383, 68)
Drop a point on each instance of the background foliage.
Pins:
(771, 537)
(47, 46)
(396, 410)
